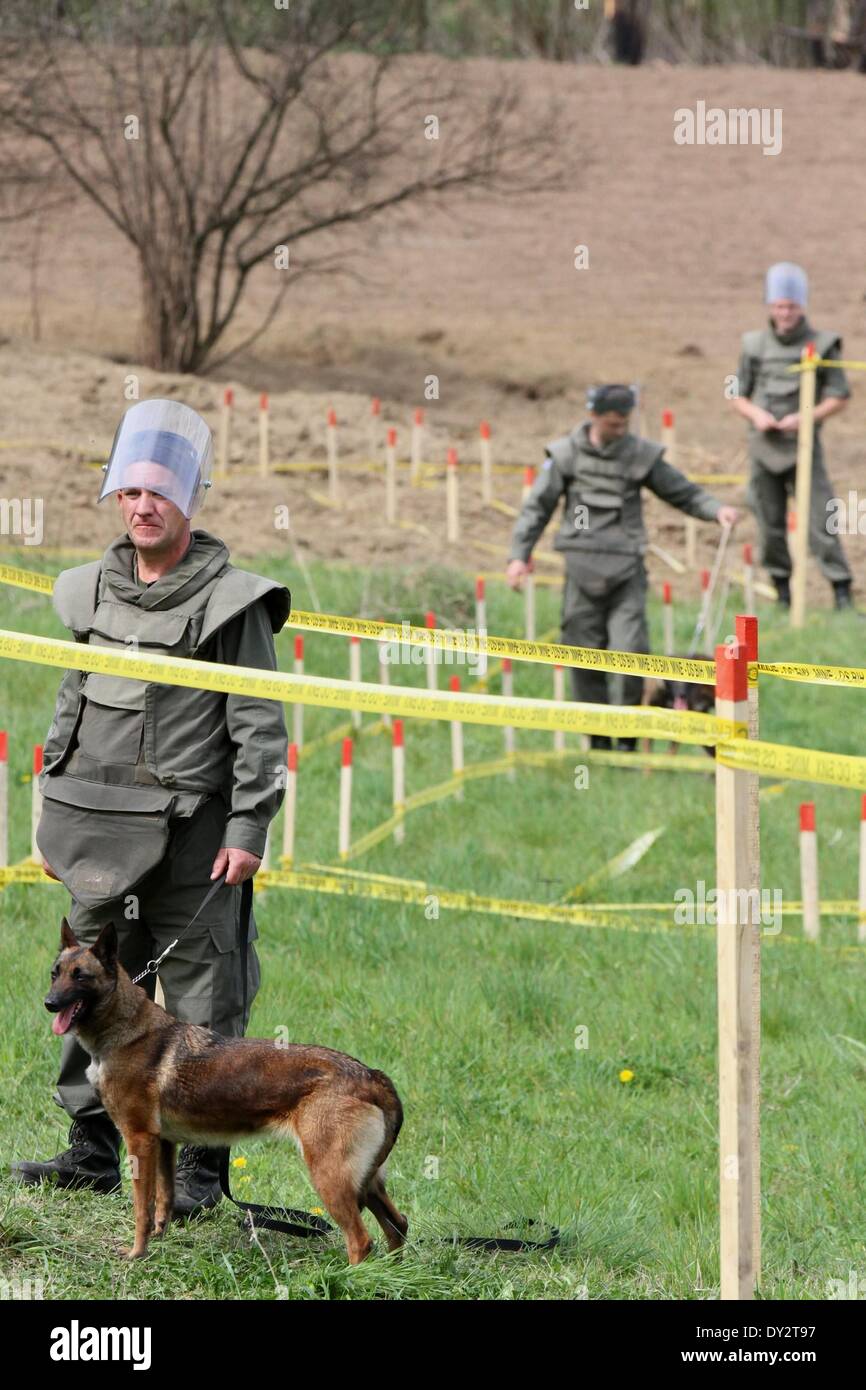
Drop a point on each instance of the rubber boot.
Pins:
(842, 594)
(600, 741)
(92, 1159)
(626, 745)
(196, 1181)
(783, 590)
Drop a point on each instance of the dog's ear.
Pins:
(105, 947)
(68, 938)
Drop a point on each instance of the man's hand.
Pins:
(789, 423)
(237, 864)
(517, 570)
(49, 871)
(728, 516)
(763, 420)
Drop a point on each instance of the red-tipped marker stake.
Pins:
(224, 437)
(331, 444)
(290, 807)
(346, 799)
(668, 619)
(480, 609)
(431, 653)
(528, 481)
(36, 803)
(486, 464)
(451, 503)
(398, 780)
(809, 871)
(298, 708)
(416, 446)
(391, 476)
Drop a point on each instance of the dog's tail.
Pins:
(390, 1105)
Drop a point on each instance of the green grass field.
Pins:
(475, 1017)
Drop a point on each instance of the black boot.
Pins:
(842, 594)
(600, 741)
(197, 1181)
(783, 589)
(92, 1159)
(626, 745)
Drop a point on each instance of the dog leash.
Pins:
(153, 965)
(294, 1221)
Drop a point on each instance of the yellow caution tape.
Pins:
(808, 363)
(814, 675)
(25, 872)
(718, 479)
(681, 726)
(26, 579)
(474, 644)
(801, 764)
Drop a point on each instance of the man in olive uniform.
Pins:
(600, 469)
(151, 792)
(768, 398)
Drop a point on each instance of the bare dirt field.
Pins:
(486, 297)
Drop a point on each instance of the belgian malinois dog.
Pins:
(162, 1081)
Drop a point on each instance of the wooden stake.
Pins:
(398, 780)
(4, 798)
(35, 803)
(746, 633)
(861, 925)
(345, 831)
(225, 431)
(331, 442)
(355, 674)
(803, 493)
(456, 743)
(384, 674)
(290, 807)
(528, 480)
(451, 500)
(558, 694)
(809, 872)
(734, 877)
(391, 477)
(480, 607)
(430, 653)
(416, 447)
(264, 435)
(486, 465)
(298, 712)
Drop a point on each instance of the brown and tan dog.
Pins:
(162, 1081)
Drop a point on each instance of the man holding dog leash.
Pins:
(600, 469)
(152, 794)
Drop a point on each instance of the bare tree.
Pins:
(217, 138)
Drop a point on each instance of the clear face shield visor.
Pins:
(162, 447)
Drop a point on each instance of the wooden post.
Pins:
(735, 989)
(290, 803)
(345, 828)
(416, 447)
(528, 480)
(668, 619)
(298, 709)
(746, 633)
(809, 871)
(861, 925)
(331, 442)
(384, 674)
(375, 418)
(391, 477)
(264, 435)
(748, 579)
(529, 606)
(4, 798)
(480, 608)
(355, 674)
(803, 493)
(451, 501)
(456, 743)
(35, 803)
(486, 465)
(398, 780)
(225, 432)
(508, 692)
(430, 653)
(558, 694)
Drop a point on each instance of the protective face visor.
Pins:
(162, 447)
(601, 399)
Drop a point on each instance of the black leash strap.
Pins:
(294, 1222)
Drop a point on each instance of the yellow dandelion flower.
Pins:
(239, 1163)
(317, 1211)
(626, 1075)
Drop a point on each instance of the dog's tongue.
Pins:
(62, 1020)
